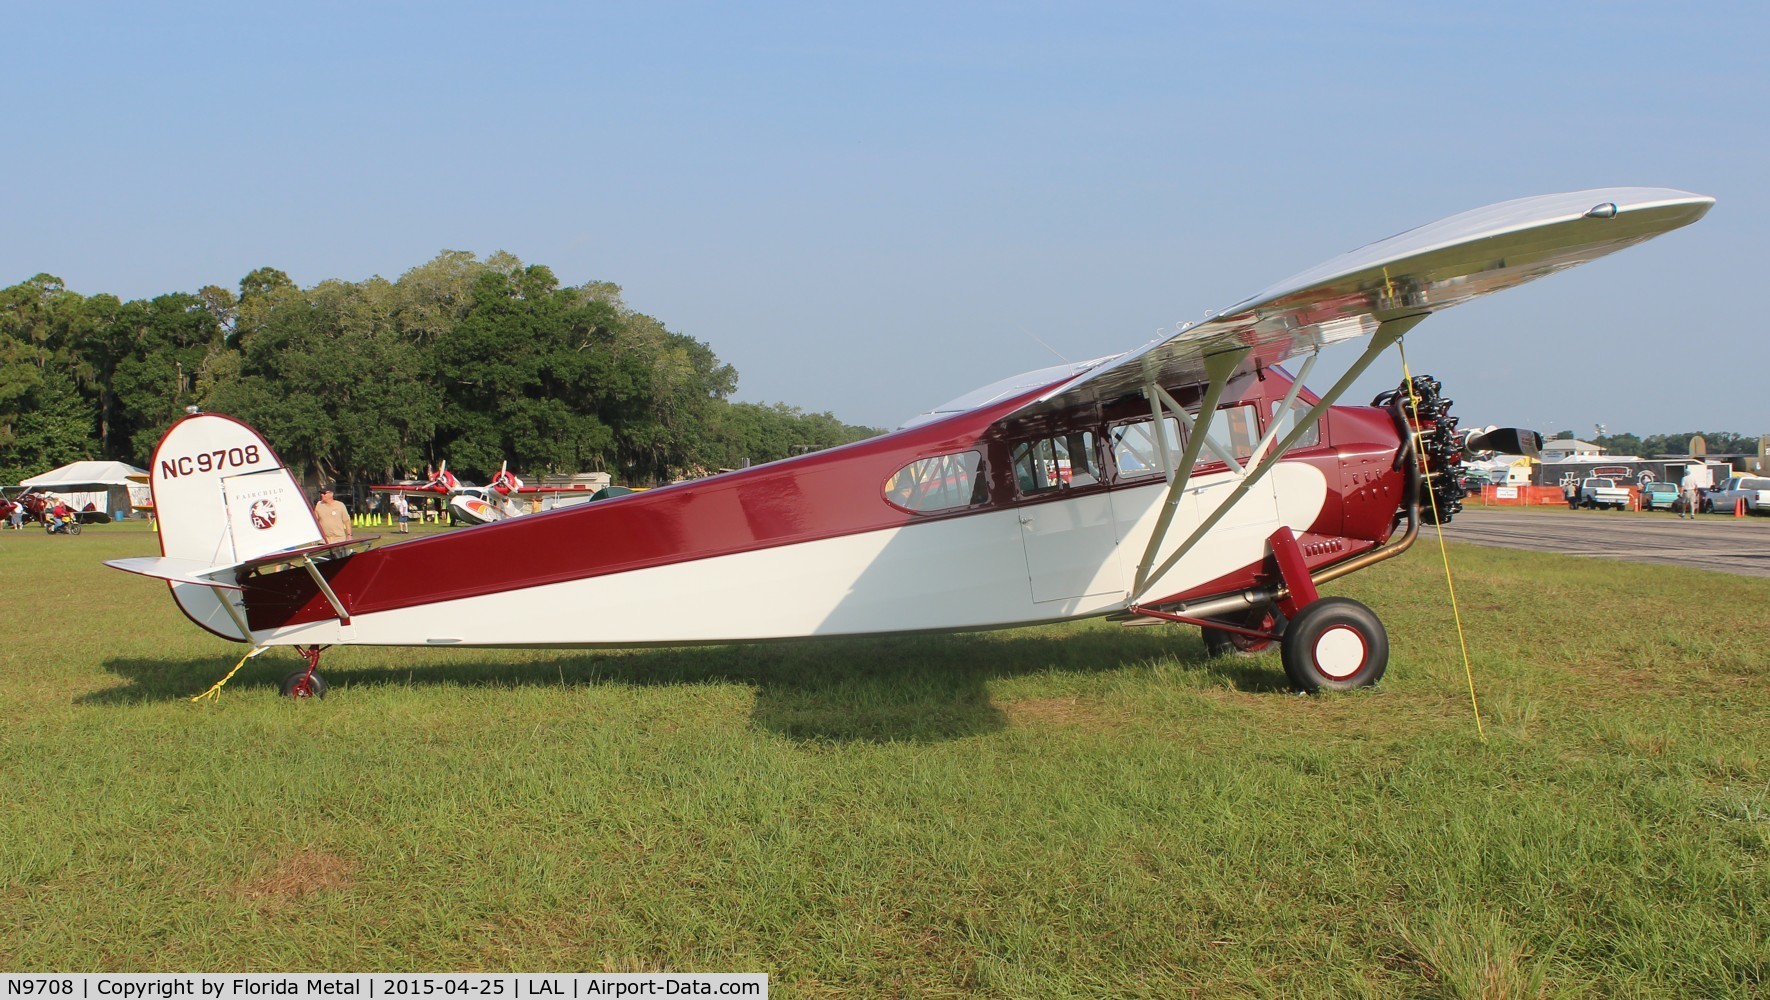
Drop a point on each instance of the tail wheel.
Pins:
(304, 683)
(1335, 644)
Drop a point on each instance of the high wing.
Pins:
(1404, 277)
(1014, 385)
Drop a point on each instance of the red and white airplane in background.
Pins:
(1191, 480)
(506, 496)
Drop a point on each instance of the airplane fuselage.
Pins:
(979, 520)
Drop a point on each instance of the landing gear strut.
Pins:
(306, 681)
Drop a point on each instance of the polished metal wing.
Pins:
(1407, 275)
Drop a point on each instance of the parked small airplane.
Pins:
(1191, 480)
(506, 496)
(37, 503)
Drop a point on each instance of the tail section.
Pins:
(223, 500)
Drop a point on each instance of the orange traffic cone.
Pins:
(1739, 507)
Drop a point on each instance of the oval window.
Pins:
(941, 483)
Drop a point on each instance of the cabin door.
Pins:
(1072, 548)
(1072, 539)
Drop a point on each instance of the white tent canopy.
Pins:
(104, 485)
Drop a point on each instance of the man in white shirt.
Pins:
(1696, 479)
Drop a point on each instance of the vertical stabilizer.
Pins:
(223, 497)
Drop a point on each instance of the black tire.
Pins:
(301, 684)
(1335, 644)
(73, 527)
(1222, 643)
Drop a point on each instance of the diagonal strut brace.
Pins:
(1386, 334)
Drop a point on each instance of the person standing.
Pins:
(1696, 479)
(333, 518)
(403, 511)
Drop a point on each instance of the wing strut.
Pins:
(1159, 398)
(313, 570)
(1219, 368)
(227, 603)
(1290, 400)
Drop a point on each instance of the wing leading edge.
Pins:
(1410, 274)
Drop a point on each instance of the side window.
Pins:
(1136, 451)
(1052, 463)
(1286, 419)
(1241, 429)
(941, 483)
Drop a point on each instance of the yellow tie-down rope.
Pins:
(214, 692)
(1443, 553)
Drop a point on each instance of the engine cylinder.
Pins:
(1427, 413)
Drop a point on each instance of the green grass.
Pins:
(1070, 810)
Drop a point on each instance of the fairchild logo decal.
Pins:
(264, 514)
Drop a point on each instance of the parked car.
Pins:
(1659, 496)
(1594, 493)
(1754, 490)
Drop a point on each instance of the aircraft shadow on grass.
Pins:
(912, 688)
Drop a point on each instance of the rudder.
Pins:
(223, 497)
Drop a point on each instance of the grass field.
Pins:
(1075, 810)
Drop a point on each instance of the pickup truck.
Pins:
(1754, 490)
(1594, 493)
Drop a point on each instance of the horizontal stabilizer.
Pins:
(335, 550)
(193, 571)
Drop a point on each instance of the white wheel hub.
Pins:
(1339, 652)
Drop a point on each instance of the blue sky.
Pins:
(869, 209)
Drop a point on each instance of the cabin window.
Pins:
(1241, 427)
(1052, 463)
(1136, 452)
(1286, 419)
(941, 483)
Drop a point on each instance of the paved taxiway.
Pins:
(1711, 542)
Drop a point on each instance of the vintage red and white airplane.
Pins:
(506, 496)
(1191, 480)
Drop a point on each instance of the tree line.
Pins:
(1717, 442)
(472, 361)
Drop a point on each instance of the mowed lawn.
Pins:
(1069, 810)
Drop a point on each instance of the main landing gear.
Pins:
(1335, 644)
(1325, 643)
(1331, 644)
(306, 681)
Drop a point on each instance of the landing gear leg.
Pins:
(306, 682)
